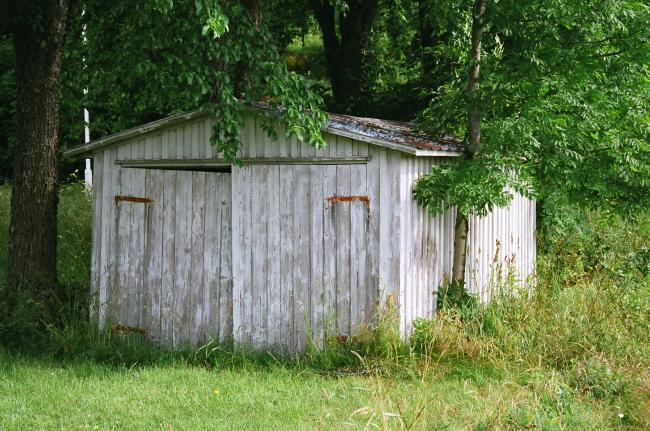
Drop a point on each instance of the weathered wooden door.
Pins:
(346, 233)
(173, 276)
(301, 240)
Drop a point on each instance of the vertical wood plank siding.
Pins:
(267, 255)
(191, 140)
(313, 266)
(96, 257)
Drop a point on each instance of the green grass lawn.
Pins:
(572, 355)
(42, 394)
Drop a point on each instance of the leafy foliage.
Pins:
(288, 20)
(448, 185)
(564, 106)
(151, 59)
(563, 93)
(454, 296)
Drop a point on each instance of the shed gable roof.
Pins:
(395, 135)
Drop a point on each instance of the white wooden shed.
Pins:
(298, 244)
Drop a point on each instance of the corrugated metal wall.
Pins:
(426, 257)
(185, 141)
(501, 245)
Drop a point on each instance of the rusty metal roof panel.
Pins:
(396, 132)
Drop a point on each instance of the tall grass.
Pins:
(588, 319)
(71, 296)
(591, 299)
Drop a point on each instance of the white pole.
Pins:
(88, 172)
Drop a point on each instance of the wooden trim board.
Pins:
(221, 163)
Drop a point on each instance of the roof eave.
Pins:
(133, 132)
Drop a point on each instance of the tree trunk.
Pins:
(38, 44)
(460, 249)
(474, 123)
(326, 18)
(346, 50)
(474, 117)
(254, 11)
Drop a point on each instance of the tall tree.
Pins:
(474, 126)
(346, 35)
(563, 108)
(7, 107)
(38, 29)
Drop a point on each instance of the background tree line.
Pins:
(369, 58)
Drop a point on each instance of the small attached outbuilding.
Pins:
(296, 245)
